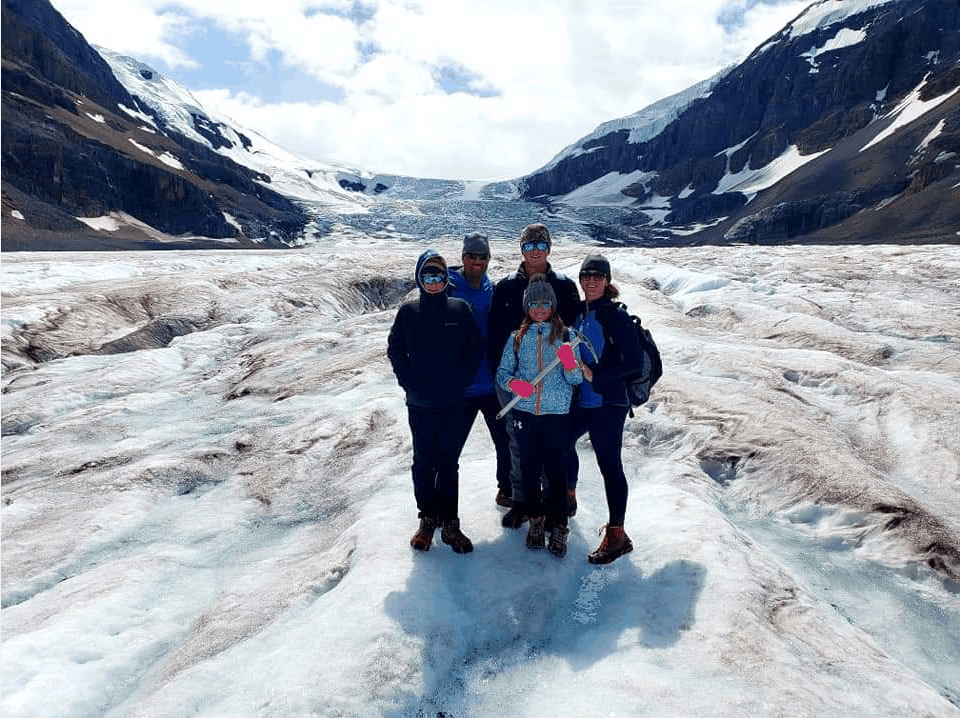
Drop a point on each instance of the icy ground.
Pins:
(206, 498)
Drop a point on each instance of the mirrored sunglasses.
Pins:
(593, 276)
(530, 246)
(477, 257)
(433, 278)
(543, 303)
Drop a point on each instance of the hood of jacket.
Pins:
(430, 257)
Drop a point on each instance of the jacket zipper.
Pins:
(539, 368)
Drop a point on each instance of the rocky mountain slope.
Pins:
(845, 126)
(76, 143)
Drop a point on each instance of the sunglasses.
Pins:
(477, 257)
(433, 278)
(593, 275)
(543, 303)
(530, 246)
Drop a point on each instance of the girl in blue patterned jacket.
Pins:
(541, 416)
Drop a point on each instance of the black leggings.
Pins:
(543, 445)
(605, 426)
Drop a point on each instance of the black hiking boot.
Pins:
(514, 518)
(504, 499)
(615, 543)
(451, 535)
(536, 539)
(424, 536)
(558, 541)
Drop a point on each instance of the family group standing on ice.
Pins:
(529, 349)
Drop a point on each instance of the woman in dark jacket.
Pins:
(601, 407)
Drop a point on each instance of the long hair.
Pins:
(611, 291)
(556, 329)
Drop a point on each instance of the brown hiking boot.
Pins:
(424, 536)
(558, 541)
(451, 535)
(503, 499)
(536, 538)
(615, 543)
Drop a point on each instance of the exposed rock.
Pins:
(59, 163)
(784, 95)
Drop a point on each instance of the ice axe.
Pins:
(577, 339)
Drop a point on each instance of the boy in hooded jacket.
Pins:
(434, 347)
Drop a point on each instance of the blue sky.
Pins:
(467, 89)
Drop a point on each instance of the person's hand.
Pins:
(587, 374)
(565, 354)
(521, 387)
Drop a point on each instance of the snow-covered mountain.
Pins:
(842, 127)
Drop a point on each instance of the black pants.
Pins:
(436, 452)
(489, 406)
(605, 426)
(516, 482)
(543, 448)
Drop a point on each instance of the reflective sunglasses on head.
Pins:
(530, 246)
(542, 303)
(477, 257)
(593, 275)
(433, 278)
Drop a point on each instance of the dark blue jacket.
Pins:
(434, 348)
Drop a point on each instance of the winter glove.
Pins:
(565, 354)
(521, 387)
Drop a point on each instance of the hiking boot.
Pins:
(451, 535)
(424, 536)
(558, 541)
(535, 535)
(514, 518)
(571, 502)
(615, 543)
(504, 500)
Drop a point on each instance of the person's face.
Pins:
(475, 266)
(433, 282)
(593, 285)
(540, 311)
(535, 255)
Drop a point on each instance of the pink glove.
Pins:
(565, 353)
(521, 387)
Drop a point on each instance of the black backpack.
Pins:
(639, 385)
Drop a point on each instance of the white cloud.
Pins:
(553, 70)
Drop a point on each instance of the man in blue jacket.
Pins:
(471, 283)
(506, 313)
(434, 348)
